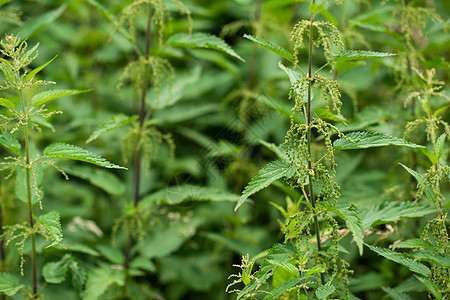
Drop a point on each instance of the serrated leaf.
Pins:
(268, 174)
(294, 77)
(432, 287)
(400, 258)
(61, 150)
(324, 291)
(8, 141)
(9, 284)
(440, 142)
(396, 295)
(202, 40)
(326, 114)
(114, 122)
(186, 192)
(46, 96)
(392, 211)
(364, 139)
(55, 272)
(351, 216)
(100, 279)
(347, 55)
(103, 179)
(282, 288)
(413, 243)
(33, 72)
(433, 257)
(316, 269)
(7, 103)
(271, 47)
(51, 223)
(421, 181)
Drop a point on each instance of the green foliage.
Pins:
(201, 40)
(205, 124)
(61, 150)
(363, 140)
(9, 285)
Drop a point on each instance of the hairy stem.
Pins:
(308, 137)
(138, 154)
(30, 205)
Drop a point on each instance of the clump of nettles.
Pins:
(431, 94)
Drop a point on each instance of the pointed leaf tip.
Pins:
(61, 150)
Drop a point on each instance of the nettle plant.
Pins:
(22, 116)
(433, 245)
(151, 82)
(307, 265)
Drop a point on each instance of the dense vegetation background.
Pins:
(213, 118)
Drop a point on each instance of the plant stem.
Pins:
(30, 205)
(138, 154)
(308, 137)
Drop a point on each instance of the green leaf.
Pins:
(103, 179)
(400, 258)
(114, 122)
(202, 40)
(46, 96)
(347, 55)
(43, 20)
(324, 291)
(51, 223)
(431, 155)
(282, 288)
(320, 8)
(9, 284)
(440, 145)
(351, 216)
(20, 187)
(432, 287)
(55, 272)
(272, 47)
(433, 257)
(271, 172)
(414, 243)
(326, 114)
(100, 279)
(394, 294)
(171, 92)
(294, 77)
(78, 275)
(8, 141)
(364, 139)
(393, 211)
(428, 189)
(33, 72)
(186, 192)
(7, 103)
(61, 150)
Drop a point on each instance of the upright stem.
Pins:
(30, 205)
(308, 136)
(142, 117)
